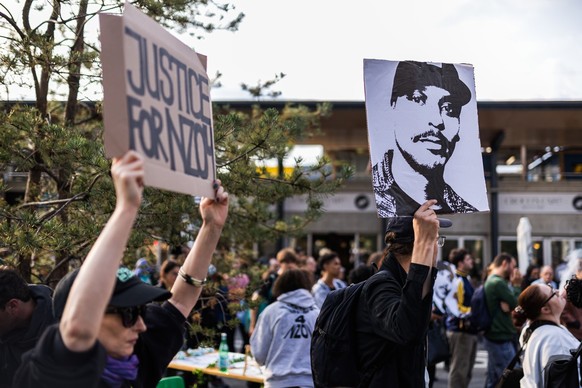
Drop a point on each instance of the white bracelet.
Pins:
(190, 280)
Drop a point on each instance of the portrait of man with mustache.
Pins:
(425, 103)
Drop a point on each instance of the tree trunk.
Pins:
(23, 266)
(76, 61)
(46, 64)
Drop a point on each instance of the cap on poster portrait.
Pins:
(157, 102)
(423, 135)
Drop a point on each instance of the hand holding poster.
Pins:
(157, 102)
(424, 137)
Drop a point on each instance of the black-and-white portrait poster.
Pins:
(424, 137)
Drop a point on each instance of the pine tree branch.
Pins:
(26, 15)
(56, 267)
(12, 22)
(49, 173)
(244, 154)
(77, 197)
(65, 202)
(7, 216)
(66, 261)
(284, 182)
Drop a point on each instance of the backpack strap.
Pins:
(575, 354)
(526, 338)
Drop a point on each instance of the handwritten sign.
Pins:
(157, 102)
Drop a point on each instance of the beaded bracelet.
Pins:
(190, 280)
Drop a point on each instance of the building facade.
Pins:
(532, 156)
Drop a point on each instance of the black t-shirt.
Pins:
(51, 364)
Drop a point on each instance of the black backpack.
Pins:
(480, 318)
(333, 343)
(561, 371)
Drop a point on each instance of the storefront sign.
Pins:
(540, 203)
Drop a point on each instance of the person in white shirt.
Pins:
(330, 266)
(546, 277)
(542, 305)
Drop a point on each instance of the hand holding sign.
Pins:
(426, 223)
(214, 210)
(127, 173)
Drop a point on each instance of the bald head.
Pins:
(547, 273)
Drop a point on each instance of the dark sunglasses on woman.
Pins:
(129, 315)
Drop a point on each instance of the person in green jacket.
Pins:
(502, 288)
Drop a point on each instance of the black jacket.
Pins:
(14, 344)
(392, 319)
(50, 364)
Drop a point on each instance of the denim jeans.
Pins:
(499, 355)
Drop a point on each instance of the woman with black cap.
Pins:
(109, 335)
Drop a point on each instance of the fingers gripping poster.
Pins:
(157, 102)
(424, 137)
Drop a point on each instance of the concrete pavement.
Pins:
(479, 372)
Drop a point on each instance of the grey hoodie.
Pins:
(282, 339)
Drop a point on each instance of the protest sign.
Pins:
(157, 102)
(424, 137)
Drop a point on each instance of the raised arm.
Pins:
(214, 213)
(426, 227)
(85, 307)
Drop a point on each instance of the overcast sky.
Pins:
(521, 49)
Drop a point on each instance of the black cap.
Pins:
(129, 291)
(411, 75)
(402, 228)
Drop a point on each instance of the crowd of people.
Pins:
(516, 304)
(127, 333)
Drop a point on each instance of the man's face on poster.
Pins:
(426, 127)
(442, 284)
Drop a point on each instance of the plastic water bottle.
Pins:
(238, 341)
(223, 354)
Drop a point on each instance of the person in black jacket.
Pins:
(108, 335)
(393, 315)
(26, 310)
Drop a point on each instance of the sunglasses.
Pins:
(129, 315)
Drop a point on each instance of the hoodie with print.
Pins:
(282, 339)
